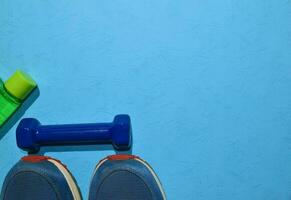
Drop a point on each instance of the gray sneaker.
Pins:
(125, 177)
(39, 178)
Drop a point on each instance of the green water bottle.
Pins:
(13, 92)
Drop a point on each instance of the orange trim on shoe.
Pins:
(121, 157)
(37, 158)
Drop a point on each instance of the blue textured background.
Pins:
(207, 84)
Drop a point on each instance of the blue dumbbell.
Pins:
(31, 135)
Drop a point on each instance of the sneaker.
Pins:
(39, 178)
(125, 177)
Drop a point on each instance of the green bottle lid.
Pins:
(20, 85)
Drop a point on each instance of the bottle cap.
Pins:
(20, 85)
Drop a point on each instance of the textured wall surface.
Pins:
(207, 84)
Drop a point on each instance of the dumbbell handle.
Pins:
(74, 133)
